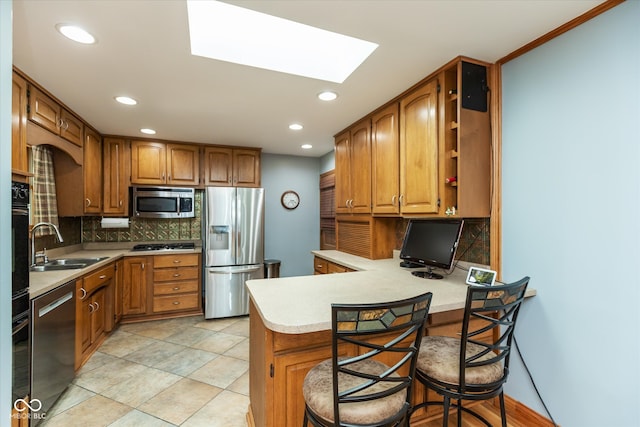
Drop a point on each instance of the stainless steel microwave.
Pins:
(162, 202)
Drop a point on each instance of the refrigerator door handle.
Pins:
(234, 270)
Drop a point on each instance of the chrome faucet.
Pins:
(33, 241)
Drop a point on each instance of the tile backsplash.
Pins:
(474, 243)
(146, 229)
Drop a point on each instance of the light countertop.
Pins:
(42, 282)
(295, 305)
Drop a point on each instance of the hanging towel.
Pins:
(45, 206)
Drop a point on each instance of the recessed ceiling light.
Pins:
(295, 126)
(327, 95)
(148, 131)
(126, 100)
(76, 33)
(234, 34)
(306, 146)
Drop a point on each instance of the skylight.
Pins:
(242, 36)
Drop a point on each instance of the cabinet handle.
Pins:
(176, 261)
(393, 200)
(65, 124)
(142, 266)
(102, 276)
(59, 123)
(84, 293)
(176, 275)
(91, 308)
(177, 288)
(97, 306)
(88, 202)
(401, 199)
(176, 303)
(120, 202)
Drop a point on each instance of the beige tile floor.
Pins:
(177, 372)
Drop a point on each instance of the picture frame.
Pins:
(481, 277)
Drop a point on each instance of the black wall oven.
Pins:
(20, 288)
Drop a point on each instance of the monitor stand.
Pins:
(429, 274)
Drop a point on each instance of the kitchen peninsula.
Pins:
(290, 324)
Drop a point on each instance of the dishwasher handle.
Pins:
(54, 304)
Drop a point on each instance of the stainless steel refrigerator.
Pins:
(233, 236)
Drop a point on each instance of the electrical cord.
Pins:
(532, 381)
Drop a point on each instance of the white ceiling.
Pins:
(143, 52)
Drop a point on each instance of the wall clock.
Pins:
(290, 199)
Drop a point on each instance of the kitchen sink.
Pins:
(66, 264)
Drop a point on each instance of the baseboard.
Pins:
(524, 413)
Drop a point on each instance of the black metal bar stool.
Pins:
(474, 366)
(370, 385)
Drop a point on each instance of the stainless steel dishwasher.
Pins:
(52, 345)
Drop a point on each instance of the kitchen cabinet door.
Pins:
(183, 164)
(218, 166)
(228, 167)
(353, 169)
(92, 171)
(46, 112)
(115, 181)
(246, 168)
(361, 167)
(19, 155)
(148, 162)
(136, 281)
(385, 161)
(419, 150)
(343, 172)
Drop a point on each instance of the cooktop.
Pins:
(162, 246)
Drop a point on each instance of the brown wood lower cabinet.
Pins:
(161, 285)
(137, 275)
(94, 311)
(322, 266)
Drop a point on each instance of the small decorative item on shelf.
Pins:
(451, 211)
(451, 180)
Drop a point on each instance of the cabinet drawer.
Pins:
(320, 265)
(97, 279)
(163, 261)
(175, 288)
(337, 268)
(173, 274)
(175, 302)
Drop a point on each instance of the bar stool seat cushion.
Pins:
(318, 394)
(439, 358)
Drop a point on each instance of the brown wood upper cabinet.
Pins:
(92, 167)
(419, 150)
(68, 173)
(385, 161)
(353, 169)
(19, 157)
(47, 113)
(115, 160)
(231, 167)
(164, 163)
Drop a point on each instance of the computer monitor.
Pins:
(432, 244)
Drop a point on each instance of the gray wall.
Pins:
(571, 206)
(5, 211)
(291, 235)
